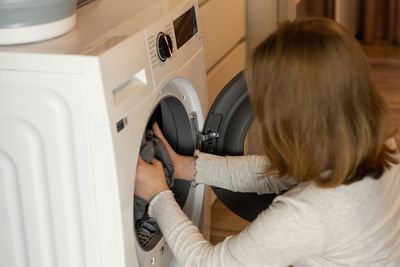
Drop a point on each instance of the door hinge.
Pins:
(201, 137)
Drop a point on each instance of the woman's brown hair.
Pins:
(321, 118)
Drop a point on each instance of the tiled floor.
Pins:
(385, 69)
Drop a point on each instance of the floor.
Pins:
(384, 61)
(385, 69)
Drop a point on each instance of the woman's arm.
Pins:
(239, 174)
(286, 232)
(282, 235)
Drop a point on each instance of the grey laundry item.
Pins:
(147, 151)
(140, 208)
(152, 147)
(147, 232)
(147, 154)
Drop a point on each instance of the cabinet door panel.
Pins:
(225, 70)
(224, 25)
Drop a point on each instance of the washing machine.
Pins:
(73, 111)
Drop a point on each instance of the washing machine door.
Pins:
(224, 133)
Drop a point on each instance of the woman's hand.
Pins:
(150, 179)
(184, 166)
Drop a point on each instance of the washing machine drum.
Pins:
(177, 128)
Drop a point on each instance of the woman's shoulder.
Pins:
(359, 198)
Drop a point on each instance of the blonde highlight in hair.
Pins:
(321, 117)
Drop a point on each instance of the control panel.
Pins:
(160, 46)
(163, 44)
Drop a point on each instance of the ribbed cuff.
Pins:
(158, 201)
(207, 164)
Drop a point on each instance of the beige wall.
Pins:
(346, 14)
(262, 19)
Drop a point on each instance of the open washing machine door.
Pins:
(227, 124)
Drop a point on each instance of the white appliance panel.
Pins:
(68, 173)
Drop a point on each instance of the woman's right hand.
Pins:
(184, 166)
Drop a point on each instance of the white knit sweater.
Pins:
(350, 225)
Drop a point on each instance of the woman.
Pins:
(324, 126)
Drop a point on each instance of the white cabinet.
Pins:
(224, 26)
(225, 70)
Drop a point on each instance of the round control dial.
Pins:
(164, 46)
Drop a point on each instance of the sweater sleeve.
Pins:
(280, 236)
(239, 174)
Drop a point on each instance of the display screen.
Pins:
(185, 27)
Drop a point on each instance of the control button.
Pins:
(164, 46)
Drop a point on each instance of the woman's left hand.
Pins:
(150, 179)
